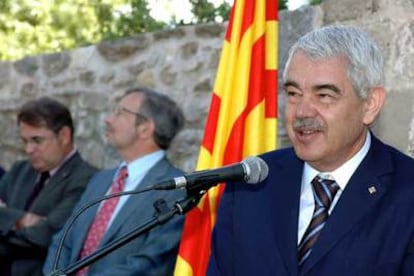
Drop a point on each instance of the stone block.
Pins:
(210, 30)
(189, 49)
(337, 11)
(395, 121)
(402, 64)
(168, 75)
(177, 33)
(118, 50)
(27, 66)
(87, 78)
(54, 64)
(137, 69)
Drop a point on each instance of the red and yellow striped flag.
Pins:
(242, 120)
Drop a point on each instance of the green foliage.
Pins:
(315, 2)
(283, 4)
(205, 11)
(134, 18)
(30, 27)
(33, 26)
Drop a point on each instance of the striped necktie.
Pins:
(324, 190)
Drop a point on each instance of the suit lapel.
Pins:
(154, 174)
(286, 206)
(362, 193)
(25, 192)
(55, 181)
(96, 189)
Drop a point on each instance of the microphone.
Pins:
(252, 170)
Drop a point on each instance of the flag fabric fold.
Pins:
(242, 120)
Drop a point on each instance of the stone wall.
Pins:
(183, 63)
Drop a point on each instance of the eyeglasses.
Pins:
(36, 140)
(118, 110)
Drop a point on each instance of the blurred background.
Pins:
(30, 27)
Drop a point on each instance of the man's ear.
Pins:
(146, 129)
(373, 104)
(65, 135)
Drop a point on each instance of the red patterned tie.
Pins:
(100, 223)
(324, 191)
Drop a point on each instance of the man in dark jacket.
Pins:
(37, 195)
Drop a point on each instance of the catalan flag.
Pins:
(242, 119)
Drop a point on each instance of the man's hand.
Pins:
(29, 219)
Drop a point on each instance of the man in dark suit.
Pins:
(140, 128)
(37, 195)
(340, 201)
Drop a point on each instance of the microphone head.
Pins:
(256, 169)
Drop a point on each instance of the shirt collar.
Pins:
(142, 164)
(344, 172)
(67, 157)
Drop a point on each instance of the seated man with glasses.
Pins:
(37, 195)
(140, 128)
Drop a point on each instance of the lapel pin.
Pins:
(372, 190)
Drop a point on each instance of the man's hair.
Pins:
(46, 112)
(365, 60)
(166, 114)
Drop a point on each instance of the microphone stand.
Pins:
(163, 214)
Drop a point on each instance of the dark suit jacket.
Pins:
(2, 171)
(153, 253)
(366, 234)
(55, 202)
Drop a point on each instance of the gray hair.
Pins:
(366, 64)
(166, 114)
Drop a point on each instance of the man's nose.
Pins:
(306, 107)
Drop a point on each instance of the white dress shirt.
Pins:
(341, 175)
